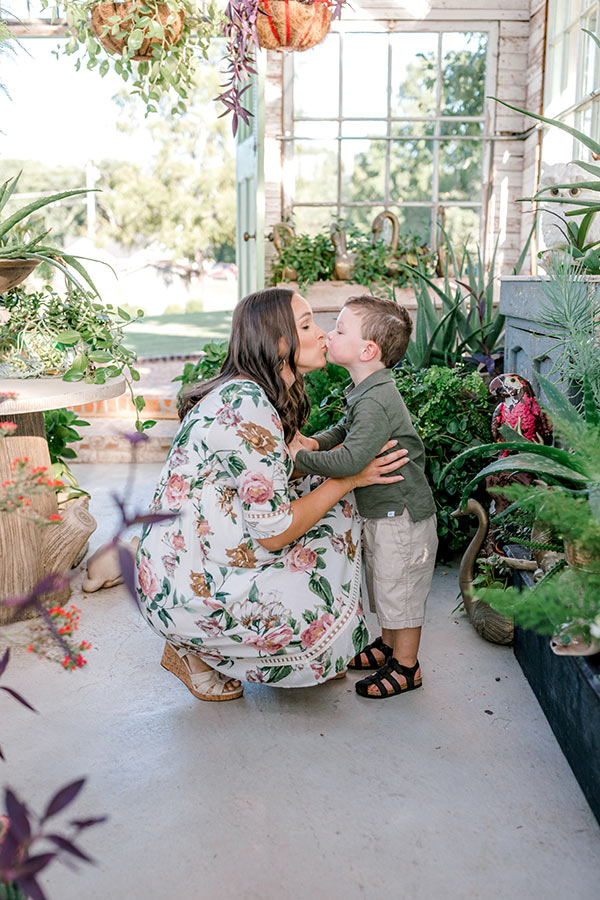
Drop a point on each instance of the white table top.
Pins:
(37, 394)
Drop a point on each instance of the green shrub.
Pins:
(325, 390)
(451, 410)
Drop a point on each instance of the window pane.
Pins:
(360, 217)
(315, 164)
(461, 128)
(589, 58)
(365, 75)
(463, 73)
(411, 170)
(462, 227)
(412, 220)
(364, 129)
(415, 220)
(321, 131)
(414, 74)
(410, 129)
(313, 219)
(316, 79)
(460, 170)
(363, 170)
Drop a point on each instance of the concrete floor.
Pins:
(456, 791)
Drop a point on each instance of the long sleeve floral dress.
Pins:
(291, 618)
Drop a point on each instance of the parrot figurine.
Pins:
(519, 409)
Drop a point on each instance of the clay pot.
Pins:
(14, 271)
(292, 24)
(101, 26)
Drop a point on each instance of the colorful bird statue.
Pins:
(519, 409)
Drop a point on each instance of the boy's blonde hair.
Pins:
(385, 323)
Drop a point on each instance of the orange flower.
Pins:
(198, 584)
(259, 438)
(55, 518)
(242, 556)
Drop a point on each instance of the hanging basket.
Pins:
(292, 24)
(102, 26)
(14, 271)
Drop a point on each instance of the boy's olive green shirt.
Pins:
(375, 413)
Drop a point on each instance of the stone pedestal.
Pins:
(29, 552)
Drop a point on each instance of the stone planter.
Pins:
(568, 691)
(528, 348)
(327, 298)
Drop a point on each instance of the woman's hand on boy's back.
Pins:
(379, 470)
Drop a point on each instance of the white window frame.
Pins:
(578, 46)
(487, 138)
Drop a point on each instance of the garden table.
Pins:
(28, 552)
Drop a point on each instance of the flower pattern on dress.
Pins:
(177, 488)
(287, 618)
(316, 629)
(199, 585)
(258, 438)
(301, 559)
(255, 487)
(242, 556)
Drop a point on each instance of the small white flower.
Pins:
(4, 315)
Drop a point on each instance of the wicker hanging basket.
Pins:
(292, 24)
(102, 13)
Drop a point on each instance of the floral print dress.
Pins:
(292, 617)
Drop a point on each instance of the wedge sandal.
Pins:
(401, 678)
(377, 644)
(208, 685)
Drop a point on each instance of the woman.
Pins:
(258, 577)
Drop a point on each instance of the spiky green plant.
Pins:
(17, 243)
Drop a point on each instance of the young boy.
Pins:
(399, 533)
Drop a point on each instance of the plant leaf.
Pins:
(19, 818)
(63, 798)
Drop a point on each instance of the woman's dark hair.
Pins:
(259, 323)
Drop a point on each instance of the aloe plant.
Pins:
(467, 327)
(14, 246)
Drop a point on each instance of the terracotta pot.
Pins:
(292, 24)
(101, 26)
(14, 271)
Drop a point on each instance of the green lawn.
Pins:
(177, 335)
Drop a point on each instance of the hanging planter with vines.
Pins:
(156, 46)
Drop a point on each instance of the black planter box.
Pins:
(568, 690)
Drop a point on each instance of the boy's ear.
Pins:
(369, 351)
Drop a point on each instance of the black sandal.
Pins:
(409, 680)
(377, 644)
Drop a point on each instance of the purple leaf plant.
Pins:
(242, 45)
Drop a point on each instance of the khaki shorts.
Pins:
(399, 561)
